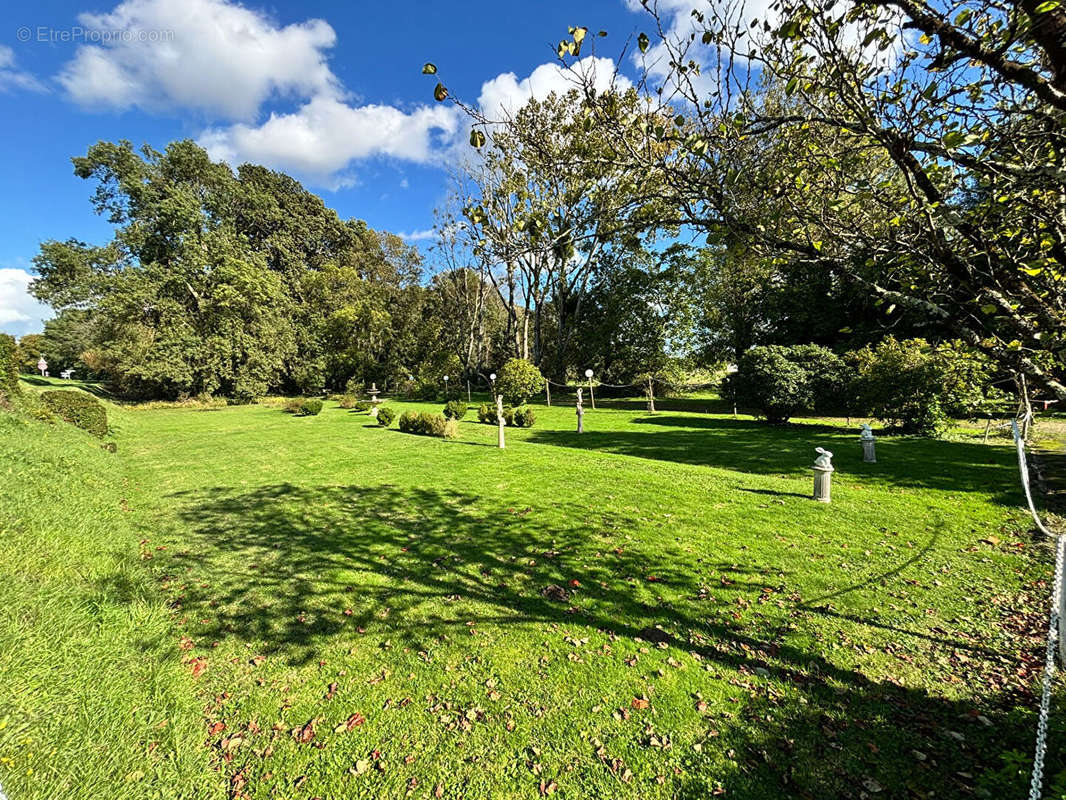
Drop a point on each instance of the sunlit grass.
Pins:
(654, 608)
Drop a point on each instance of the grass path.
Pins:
(368, 611)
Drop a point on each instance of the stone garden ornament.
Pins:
(869, 446)
(823, 474)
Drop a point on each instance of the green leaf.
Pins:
(642, 42)
(429, 69)
(1050, 5)
(440, 92)
(790, 87)
(477, 138)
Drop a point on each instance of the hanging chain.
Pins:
(1036, 785)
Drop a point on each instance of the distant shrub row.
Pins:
(520, 417)
(79, 409)
(428, 424)
(909, 384)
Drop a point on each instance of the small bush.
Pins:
(519, 380)
(385, 416)
(304, 407)
(487, 414)
(9, 366)
(522, 417)
(79, 409)
(428, 424)
(455, 409)
(348, 401)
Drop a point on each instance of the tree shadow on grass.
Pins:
(754, 447)
(282, 564)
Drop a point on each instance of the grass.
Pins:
(370, 614)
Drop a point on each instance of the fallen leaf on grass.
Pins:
(640, 703)
(306, 733)
(351, 723)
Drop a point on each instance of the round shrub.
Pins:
(518, 381)
(768, 381)
(486, 414)
(348, 401)
(523, 417)
(455, 409)
(79, 409)
(385, 416)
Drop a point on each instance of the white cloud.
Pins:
(325, 135)
(226, 61)
(419, 236)
(679, 25)
(209, 55)
(12, 78)
(20, 313)
(505, 94)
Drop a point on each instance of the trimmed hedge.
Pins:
(428, 424)
(79, 409)
(385, 416)
(9, 366)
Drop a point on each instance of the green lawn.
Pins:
(316, 607)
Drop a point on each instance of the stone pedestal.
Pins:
(869, 451)
(823, 481)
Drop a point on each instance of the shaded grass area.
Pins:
(375, 612)
(93, 700)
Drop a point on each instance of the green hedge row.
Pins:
(9, 366)
(79, 409)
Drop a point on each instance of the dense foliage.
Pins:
(235, 283)
(919, 387)
(79, 409)
(909, 384)
(9, 366)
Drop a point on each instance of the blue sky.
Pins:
(329, 92)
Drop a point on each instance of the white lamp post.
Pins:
(592, 397)
(492, 379)
(445, 387)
